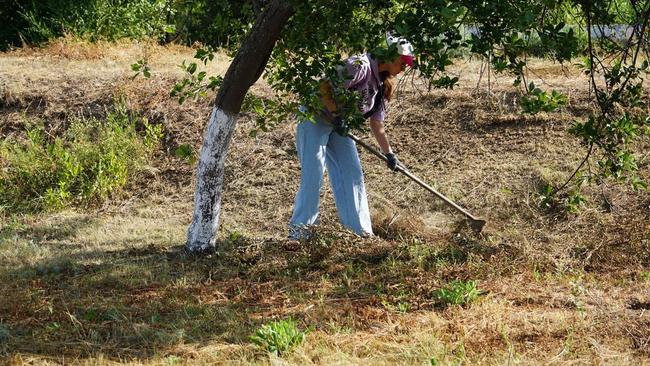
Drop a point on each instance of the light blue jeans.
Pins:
(320, 147)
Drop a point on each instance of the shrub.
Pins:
(38, 21)
(215, 22)
(90, 161)
(457, 293)
(278, 337)
(538, 100)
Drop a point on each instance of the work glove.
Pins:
(340, 126)
(392, 161)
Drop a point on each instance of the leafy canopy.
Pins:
(505, 33)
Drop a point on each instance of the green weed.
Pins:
(320, 245)
(400, 307)
(536, 100)
(457, 293)
(173, 360)
(645, 276)
(537, 274)
(186, 152)
(574, 201)
(547, 197)
(403, 307)
(279, 337)
(235, 237)
(570, 202)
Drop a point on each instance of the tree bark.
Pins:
(244, 71)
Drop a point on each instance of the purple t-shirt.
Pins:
(363, 72)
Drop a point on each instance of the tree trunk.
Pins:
(245, 69)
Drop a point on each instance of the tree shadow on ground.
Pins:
(58, 229)
(140, 302)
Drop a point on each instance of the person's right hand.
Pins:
(392, 161)
(340, 126)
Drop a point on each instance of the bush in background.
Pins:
(90, 161)
(218, 23)
(39, 21)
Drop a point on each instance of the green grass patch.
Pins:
(87, 163)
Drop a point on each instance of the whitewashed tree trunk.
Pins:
(201, 234)
(245, 69)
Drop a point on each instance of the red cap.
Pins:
(407, 59)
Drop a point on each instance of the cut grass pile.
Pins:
(84, 297)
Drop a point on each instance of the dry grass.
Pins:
(112, 285)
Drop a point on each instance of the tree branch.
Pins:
(251, 59)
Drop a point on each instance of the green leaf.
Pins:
(192, 68)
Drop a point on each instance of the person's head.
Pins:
(392, 60)
(397, 55)
(393, 67)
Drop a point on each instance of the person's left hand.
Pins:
(340, 126)
(392, 161)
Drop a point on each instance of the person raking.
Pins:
(323, 143)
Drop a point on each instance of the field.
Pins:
(110, 284)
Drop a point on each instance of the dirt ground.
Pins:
(555, 288)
